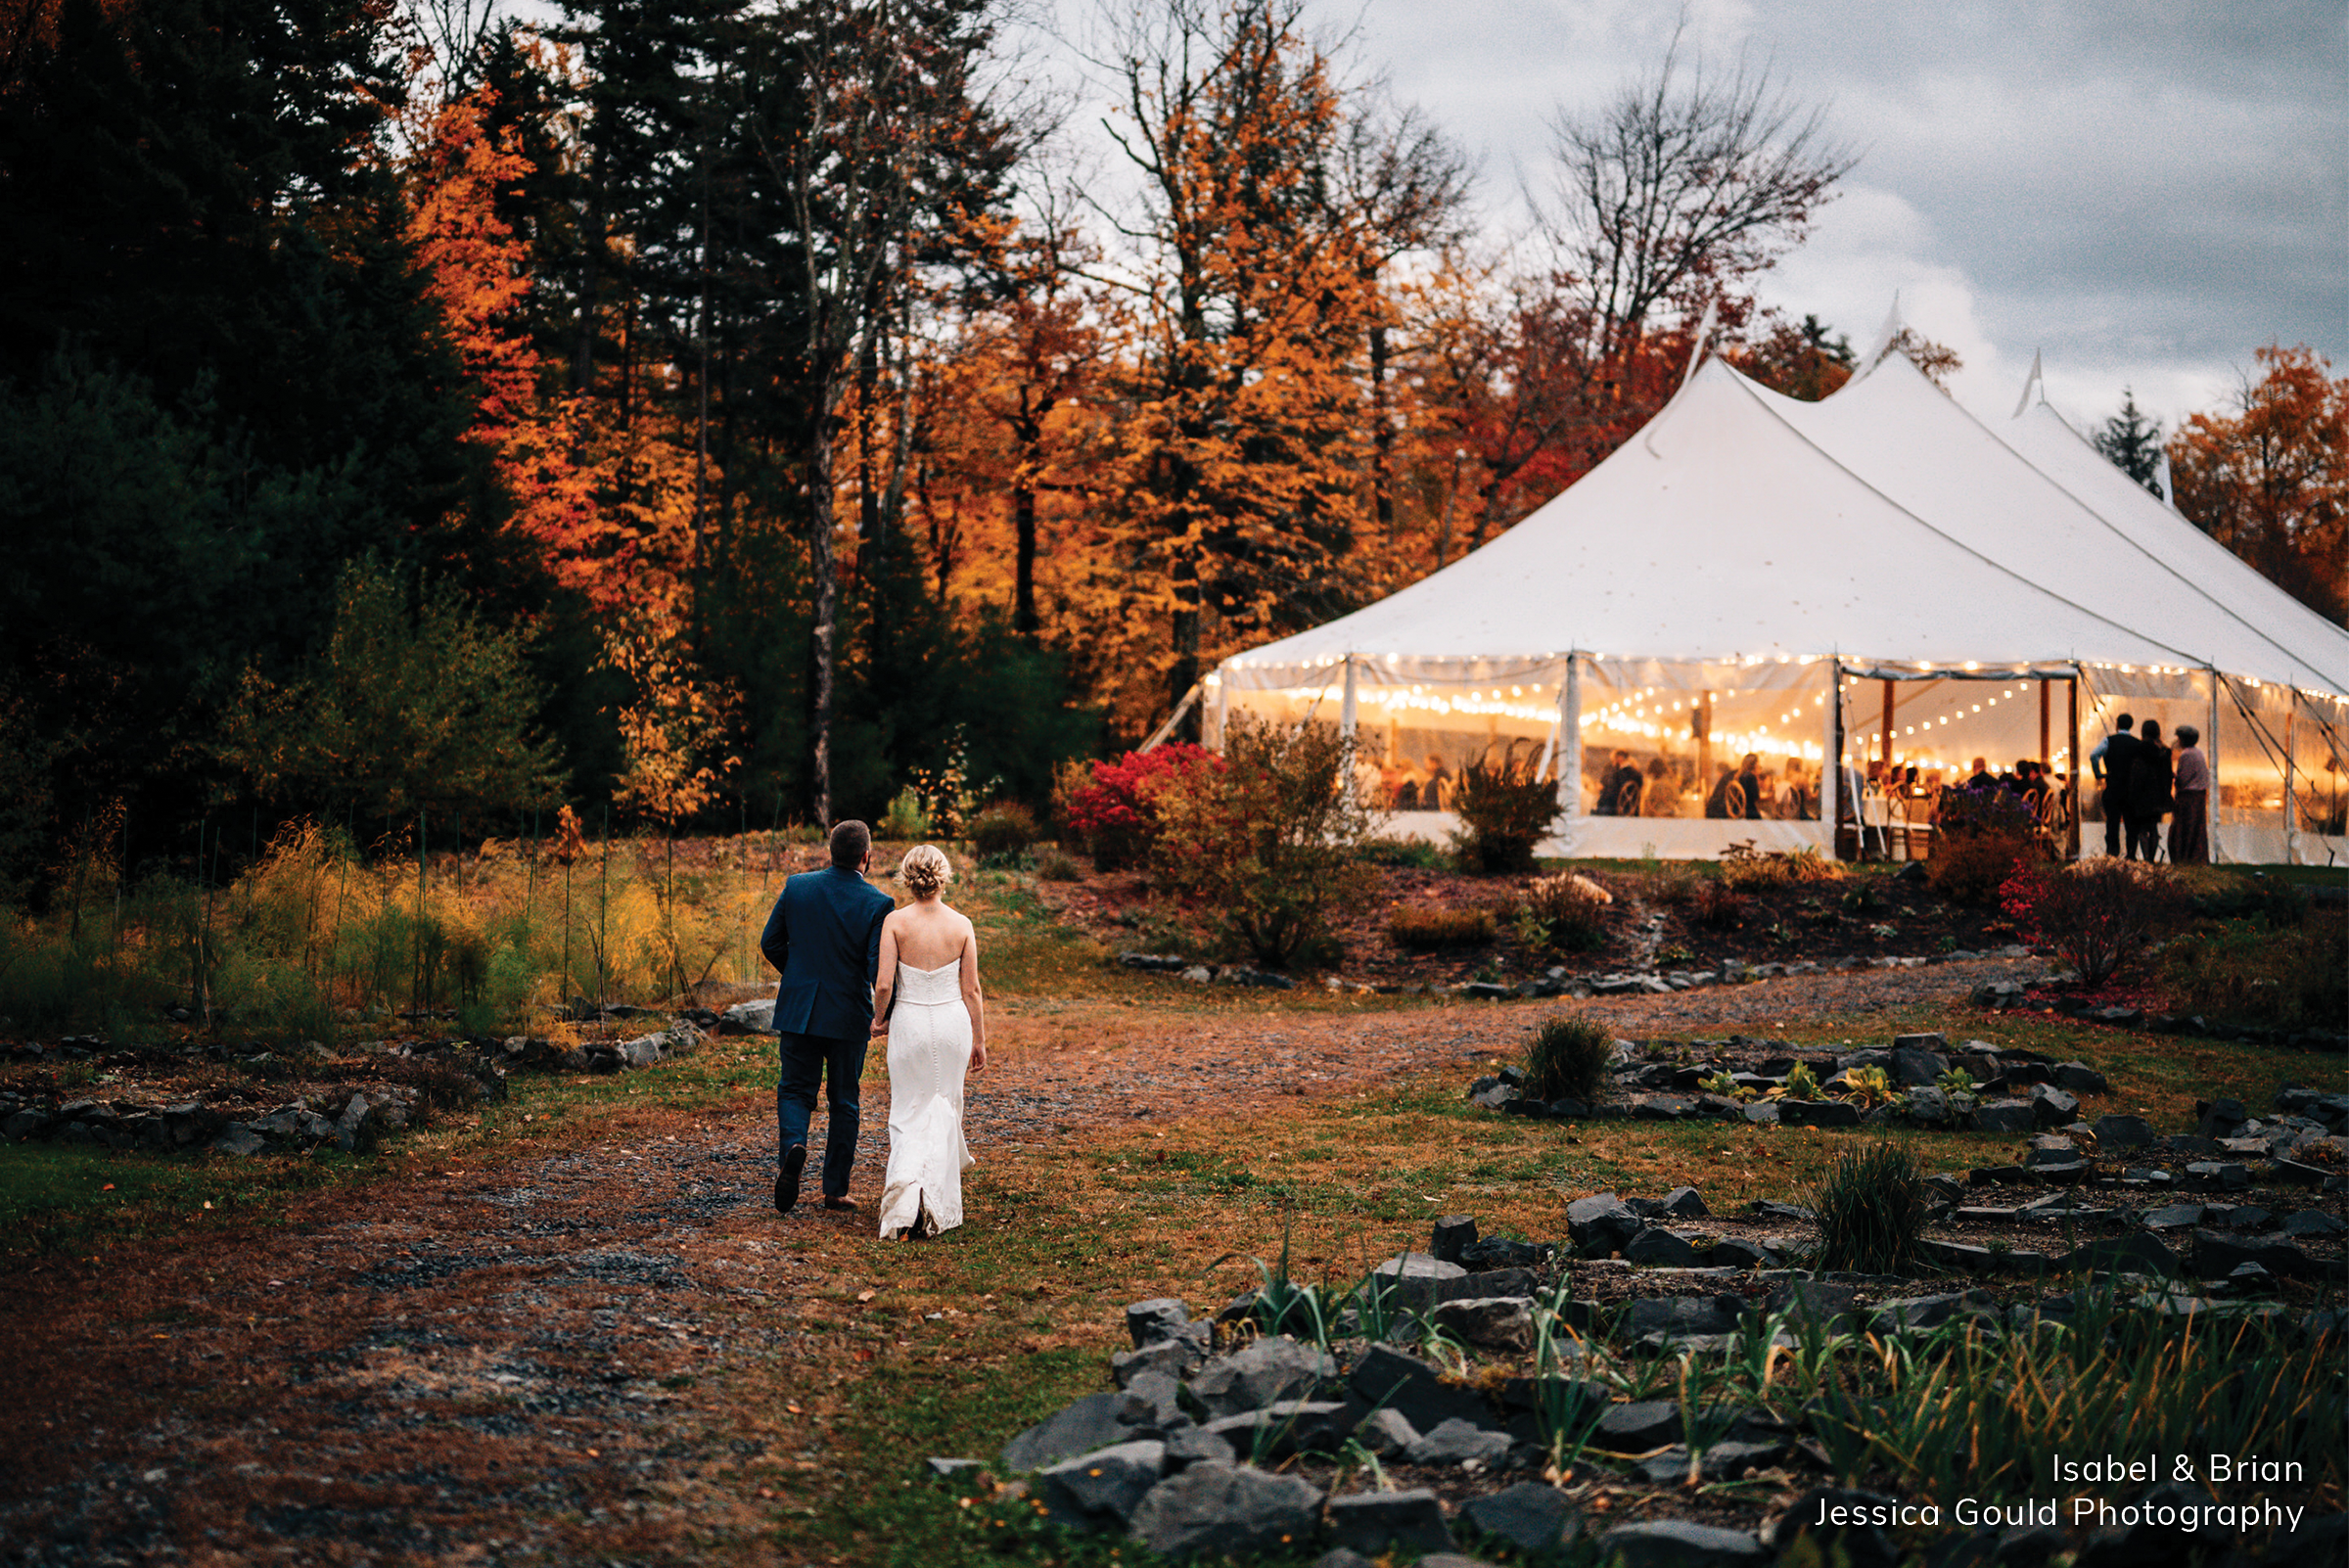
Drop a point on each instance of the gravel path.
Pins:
(508, 1364)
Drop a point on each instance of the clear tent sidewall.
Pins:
(2278, 754)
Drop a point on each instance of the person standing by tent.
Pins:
(2190, 828)
(2109, 761)
(2149, 800)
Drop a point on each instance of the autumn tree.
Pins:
(1244, 433)
(2270, 479)
(1806, 359)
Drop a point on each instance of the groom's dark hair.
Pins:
(851, 842)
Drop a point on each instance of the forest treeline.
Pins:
(730, 415)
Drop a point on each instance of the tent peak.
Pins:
(2035, 378)
(1885, 337)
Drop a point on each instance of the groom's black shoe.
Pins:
(787, 1181)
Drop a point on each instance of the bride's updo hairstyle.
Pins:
(924, 870)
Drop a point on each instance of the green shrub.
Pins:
(2247, 972)
(1871, 1210)
(904, 822)
(1265, 844)
(1058, 865)
(1571, 910)
(1748, 870)
(1506, 805)
(1567, 1059)
(1675, 886)
(1414, 854)
(1002, 830)
(1422, 926)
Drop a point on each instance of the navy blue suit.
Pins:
(824, 939)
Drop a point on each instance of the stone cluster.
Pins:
(1191, 1454)
(350, 1120)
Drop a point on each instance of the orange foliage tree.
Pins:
(2271, 480)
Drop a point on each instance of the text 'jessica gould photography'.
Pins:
(2100, 1512)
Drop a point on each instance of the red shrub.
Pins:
(1113, 811)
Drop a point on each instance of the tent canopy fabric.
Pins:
(1721, 583)
(1881, 524)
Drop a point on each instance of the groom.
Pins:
(824, 939)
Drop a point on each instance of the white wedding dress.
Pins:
(929, 1052)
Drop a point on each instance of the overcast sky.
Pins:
(2146, 193)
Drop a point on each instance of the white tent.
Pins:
(1875, 575)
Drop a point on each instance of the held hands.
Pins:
(880, 1025)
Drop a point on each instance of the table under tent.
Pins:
(1877, 576)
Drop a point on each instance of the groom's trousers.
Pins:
(839, 1063)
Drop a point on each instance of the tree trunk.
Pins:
(827, 610)
(1024, 619)
(1382, 436)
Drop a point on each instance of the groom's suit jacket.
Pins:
(825, 938)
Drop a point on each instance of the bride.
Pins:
(928, 1005)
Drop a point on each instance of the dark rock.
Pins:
(2248, 1217)
(1454, 1233)
(1763, 1111)
(1913, 1068)
(1343, 1557)
(2314, 1222)
(1089, 1424)
(1930, 1106)
(1769, 1208)
(1227, 1510)
(1376, 1521)
(943, 1469)
(1660, 1248)
(2123, 1131)
(1673, 1543)
(1662, 1108)
(1682, 1315)
(2006, 1116)
(1533, 1517)
(2218, 1118)
(1723, 1462)
(1457, 1442)
(1160, 1317)
(2135, 1254)
(1637, 1427)
(1152, 1404)
(1805, 1300)
(1498, 1324)
(1499, 1252)
(1175, 1357)
(2054, 1107)
(1686, 1203)
(1817, 1113)
(1861, 1545)
(1261, 1373)
(1387, 1378)
(1601, 1225)
(2215, 1257)
(239, 1140)
(2223, 1175)
(1286, 1427)
(1385, 1434)
(1100, 1491)
(2175, 1217)
(2061, 1171)
(1187, 1445)
(1917, 1312)
(2079, 1078)
(1735, 1252)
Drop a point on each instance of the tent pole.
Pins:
(1888, 735)
(2042, 723)
(1570, 746)
(1346, 709)
(1830, 770)
(2292, 801)
(2210, 760)
(2071, 763)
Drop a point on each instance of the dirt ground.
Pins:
(526, 1361)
